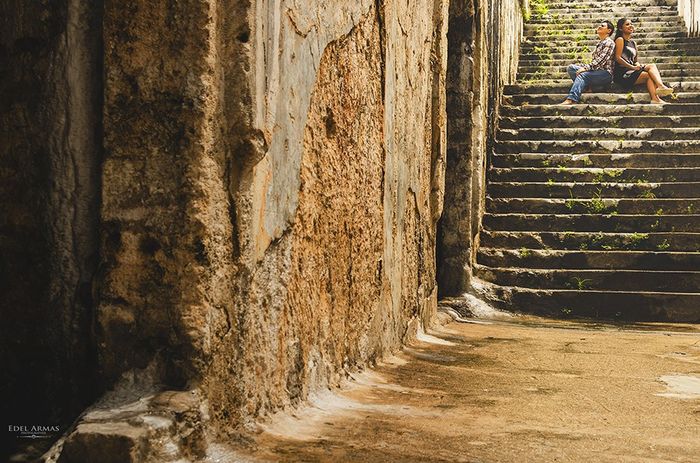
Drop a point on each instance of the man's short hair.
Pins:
(611, 28)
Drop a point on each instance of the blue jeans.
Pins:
(599, 78)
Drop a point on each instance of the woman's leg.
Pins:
(655, 75)
(644, 78)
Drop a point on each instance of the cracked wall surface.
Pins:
(272, 181)
(233, 197)
(336, 191)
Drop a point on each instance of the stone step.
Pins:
(637, 160)
(654, 241)
(598, 146)
(588, 23)
(560, 74)
(585, 32)
(587, 37)
(593, 190)
(596, 98)
(601, 110)
(592, 5)
(645, 20)
(671, 46)
(594, 175)
(665, 69)
(606, 133)
(626, 206)
(568, 25)
(630, 6)
(643, 17)
(645, 41)
(543, 79)
(583, 55)
(596, 122)
(592, 223)
(611, 260)
(562, 86)
(562, 59)
(640, 14)
(573, 25)
(597, 280)
(614, 305)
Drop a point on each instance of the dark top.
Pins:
(623, 76)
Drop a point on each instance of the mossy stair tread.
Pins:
(637, 306)
(589, 259)
(671, 281)
(626, 206)
(577, 240)
(606, 160)
(595, 222)
(568, 122)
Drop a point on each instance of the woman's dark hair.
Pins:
(620, 22)
(611, 28)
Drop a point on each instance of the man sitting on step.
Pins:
(600, 72)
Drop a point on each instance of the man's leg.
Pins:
(598, 79)
(571, 70)
(580, 83)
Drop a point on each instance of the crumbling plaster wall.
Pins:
(273, 177)
(484, 43)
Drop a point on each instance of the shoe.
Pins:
(665, 91)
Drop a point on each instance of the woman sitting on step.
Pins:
(597, 74)
(628, 71)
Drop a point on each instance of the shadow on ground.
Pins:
(525, 390)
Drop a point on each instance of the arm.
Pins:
(619, 46)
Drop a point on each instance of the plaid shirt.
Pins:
(603, 57)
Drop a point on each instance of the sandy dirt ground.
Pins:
(517, 390)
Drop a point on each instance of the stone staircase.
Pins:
(594, 210)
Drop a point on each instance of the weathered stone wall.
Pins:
(50, 86)
(268, 177)
(271, 186)
(484, 42)
(335, 215)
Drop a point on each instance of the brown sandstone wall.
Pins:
(334, 218)
(268, 178)
(50, 152)
(272, 181)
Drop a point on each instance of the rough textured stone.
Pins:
(269, 191)
(131, 424)
(108, 442)
(334, 225)
(484, 41)
(275, 228)
(50, 85)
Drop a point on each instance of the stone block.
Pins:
(105, 443)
